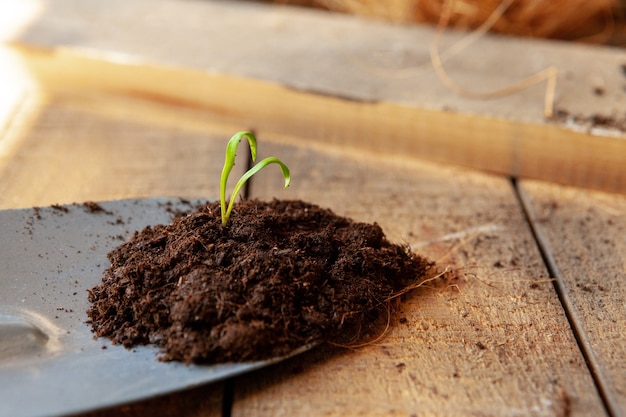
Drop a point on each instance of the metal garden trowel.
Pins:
(50, 363)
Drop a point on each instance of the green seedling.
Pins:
(231, 153)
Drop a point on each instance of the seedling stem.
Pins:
(231, 153)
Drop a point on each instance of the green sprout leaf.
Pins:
(231, 153)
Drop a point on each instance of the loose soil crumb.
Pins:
(60, 208)
(93, 207)
(280, 275)
(596, 120)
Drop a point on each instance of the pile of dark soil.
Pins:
(280, 275)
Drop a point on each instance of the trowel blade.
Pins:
(50, 363)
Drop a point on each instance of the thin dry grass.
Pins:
(562, 19)
(548, 74)
(535, 18)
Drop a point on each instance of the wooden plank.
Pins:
(490, 338)
(15, 91)
(583, 233)
(295, 72)
(493, 341)
(79, 148)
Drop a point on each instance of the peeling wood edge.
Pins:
(545, 151)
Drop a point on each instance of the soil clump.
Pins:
(278, 276)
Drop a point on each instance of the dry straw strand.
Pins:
(548, 74)
(563, 19)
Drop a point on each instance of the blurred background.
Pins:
(600, 21)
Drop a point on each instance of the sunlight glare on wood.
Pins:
(14, 77)
(15, 16)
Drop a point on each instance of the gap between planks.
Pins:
(581, 236)
(580, 334)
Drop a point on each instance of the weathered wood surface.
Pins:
(340, 79)
(491, 341)
(584, 236)
(66, 150)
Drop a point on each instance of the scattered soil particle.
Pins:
(280, 275)
(60, 208)
(175, 211)
(614, 122)
(93, 207)
(564, 404)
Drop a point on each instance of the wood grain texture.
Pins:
(585, 235)
(146, 112)
(81, 148)
(308, 73)
(490, 338)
